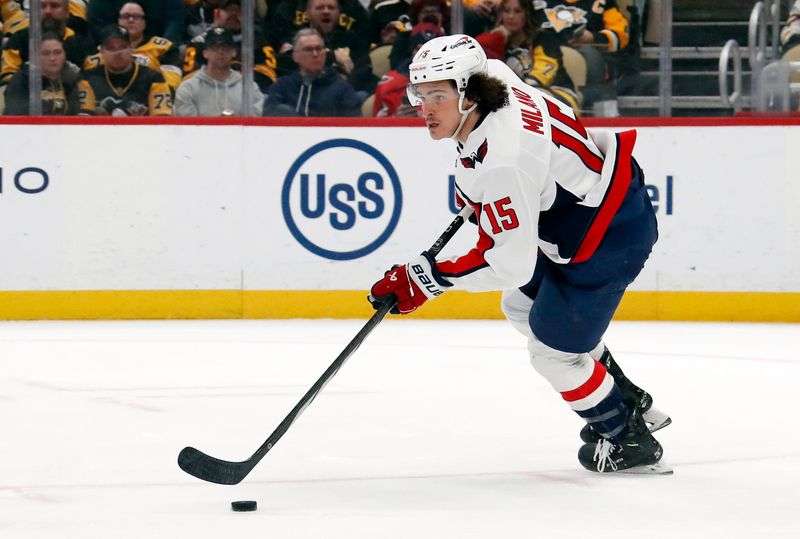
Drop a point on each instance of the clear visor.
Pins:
(435, 97)
(413, 95)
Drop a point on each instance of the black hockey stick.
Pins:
(208, 468)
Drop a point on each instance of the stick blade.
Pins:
(205, 467)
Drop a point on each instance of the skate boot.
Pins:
(634, 397)
(634, 451)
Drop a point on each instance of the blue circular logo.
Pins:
(341, 199)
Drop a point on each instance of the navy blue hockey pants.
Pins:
(574, 303)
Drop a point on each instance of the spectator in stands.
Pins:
(229, 17)
(597, 30)
(288, 16)
(216, 89)
(55, 14)
(431, 11)
(200, 16)
(533, 53)
(164, 17)
(346, 51)
(434, 12)
(790, 35)
(121, 87)
(314, 90)
(14, 16)
(350, 51)
(153, 51)
(60, 82)
(480, 16)
(390, 95)
(387, 18)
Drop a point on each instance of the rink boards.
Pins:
(215, 219)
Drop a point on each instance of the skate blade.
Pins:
(659, 468)
(656, 419)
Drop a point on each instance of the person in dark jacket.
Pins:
(314, 90)
(347, 51)
(60, 83)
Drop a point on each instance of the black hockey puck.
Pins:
(244, 505)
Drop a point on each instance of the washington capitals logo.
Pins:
(477, 157)
(461, 42)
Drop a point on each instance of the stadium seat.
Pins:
(366, 106)
(793, 55)
(379, 56)
(575, 64)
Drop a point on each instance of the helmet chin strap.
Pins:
(464, 114)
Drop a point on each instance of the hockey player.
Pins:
(564, 226)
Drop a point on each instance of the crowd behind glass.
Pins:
(310, 57)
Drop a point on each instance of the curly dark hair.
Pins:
(488, 92)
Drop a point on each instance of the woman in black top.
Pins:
(60, 83)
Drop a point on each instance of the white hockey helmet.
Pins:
(455, 58)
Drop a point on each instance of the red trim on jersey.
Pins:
(474, 259)
(562, 139)
(572, 123)
(459, 201)
(589, 386)
(613, 200)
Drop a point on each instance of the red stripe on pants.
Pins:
(588, 387)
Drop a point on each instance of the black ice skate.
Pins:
(636, 451)
(634, 396)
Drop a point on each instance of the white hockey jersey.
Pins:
(536, 179)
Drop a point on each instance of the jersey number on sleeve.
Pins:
(500, 213)
(576, 142)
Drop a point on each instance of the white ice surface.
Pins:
(431, 430)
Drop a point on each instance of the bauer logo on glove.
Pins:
(412, 284)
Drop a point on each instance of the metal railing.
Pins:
(731, 52)
(34, 64)
(665, 61)
(764, 23)
(770, 85)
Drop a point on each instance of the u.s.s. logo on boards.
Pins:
(341, 199)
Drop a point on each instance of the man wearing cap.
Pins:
(55, 14)
(229, 16)
(121, 86)
(155, 52)
(216, 89)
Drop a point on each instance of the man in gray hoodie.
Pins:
(216, 89)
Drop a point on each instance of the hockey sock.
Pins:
(599, 402)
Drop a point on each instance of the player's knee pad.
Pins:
(516, 307)
(564, 370)
(597, 352)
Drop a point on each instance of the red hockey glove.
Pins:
(413, 284)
